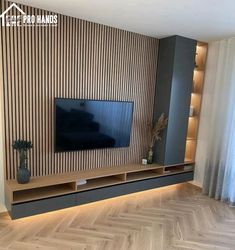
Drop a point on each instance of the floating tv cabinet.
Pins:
(49, 193)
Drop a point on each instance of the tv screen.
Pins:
(91, 124)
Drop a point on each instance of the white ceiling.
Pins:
(204, 20)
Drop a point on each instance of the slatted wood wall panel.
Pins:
(76, 59)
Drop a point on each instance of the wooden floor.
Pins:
(176, 217)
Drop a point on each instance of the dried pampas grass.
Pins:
(157, 129)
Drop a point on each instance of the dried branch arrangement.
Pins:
(157, 129)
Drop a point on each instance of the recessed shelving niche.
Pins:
(196, 99)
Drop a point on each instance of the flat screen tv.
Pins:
(91, 124)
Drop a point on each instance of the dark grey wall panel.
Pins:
(173, 94)
(163, 89)
(65, 201)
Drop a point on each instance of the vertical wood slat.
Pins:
(76, 59)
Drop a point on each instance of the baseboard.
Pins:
(195, 183)
(2, 209)
(2, 214)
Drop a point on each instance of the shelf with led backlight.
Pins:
(191, 138)
(196, 99)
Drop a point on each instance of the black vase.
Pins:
(23, 175)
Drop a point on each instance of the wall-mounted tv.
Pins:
(92, 124)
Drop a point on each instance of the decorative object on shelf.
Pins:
(167, 172)
(157, 129)
(144, 161)
(150, 156)
(23, 173)
(188, 167)
(191, 111)
(81, 182)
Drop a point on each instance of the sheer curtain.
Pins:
(219, 180)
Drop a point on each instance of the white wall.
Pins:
(201, 155)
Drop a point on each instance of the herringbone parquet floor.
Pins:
(176, 217)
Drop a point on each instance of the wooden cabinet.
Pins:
(53, 192)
